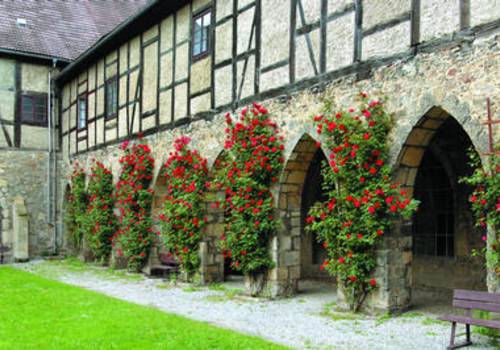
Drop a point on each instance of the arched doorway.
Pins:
(312, 253)
(298, 254)
(443, 235)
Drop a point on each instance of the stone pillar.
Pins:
(283, 279)
(393, 274)
(20, 230)
(212, 261)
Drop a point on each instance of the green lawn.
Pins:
(36, 313)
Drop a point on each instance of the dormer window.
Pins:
(201, 34)
(21, 23)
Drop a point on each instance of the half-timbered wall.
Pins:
(23, 155)
(259, 48)
(17, 77)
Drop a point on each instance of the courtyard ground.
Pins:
(306, 321)
(36, 313)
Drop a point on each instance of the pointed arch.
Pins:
(432, 159)
(288, 249)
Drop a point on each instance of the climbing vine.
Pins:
(134, 198)
(76, 207)
(362, 201)
(100, 221)
(253, 142)
(185, 173)
(485, 202)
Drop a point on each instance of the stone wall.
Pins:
(457, 79)
(24, 174)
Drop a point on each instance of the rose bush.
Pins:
(100, 221)
(255, 147)
(135, 234)
(362, 201)
(76, 207)
(485, 202)
(185, 174)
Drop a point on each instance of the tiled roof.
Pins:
(60, 28)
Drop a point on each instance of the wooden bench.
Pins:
(167, 266)
(472, 300)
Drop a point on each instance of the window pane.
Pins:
(206, 19)
(111, 97)
(196, 48)
(201, 30)
(197, 24)
(82, 113)
(27, 108)
(204, 44)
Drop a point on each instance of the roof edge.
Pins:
(33, 56)
(132, 26)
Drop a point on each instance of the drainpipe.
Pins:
(50, 221)
(54, 169)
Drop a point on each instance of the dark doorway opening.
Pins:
(312, 252)
(444, 235)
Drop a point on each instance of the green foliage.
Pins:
(76, 207)
(489, 332)
(485, 202)
(134, 199)
(362, 201)
(58, 316)
(100, 221)
(256, 149)
(185, 173)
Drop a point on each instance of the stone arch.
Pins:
(212, 260)
(432, 106)
(287, 246)
(433, 158)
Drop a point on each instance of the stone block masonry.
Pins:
(23, 175)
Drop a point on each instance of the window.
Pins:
(82, 112)
(201, 34)
(111, 97)
(34, 109)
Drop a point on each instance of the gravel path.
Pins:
(296, 322)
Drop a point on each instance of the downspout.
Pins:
(54, 166)
(50, 222)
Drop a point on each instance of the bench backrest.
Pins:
(470, 299)
(167, 259)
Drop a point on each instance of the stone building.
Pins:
(177, 67)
